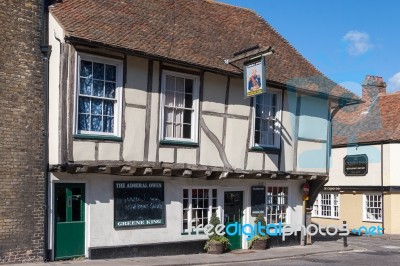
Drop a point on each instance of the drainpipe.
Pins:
(46, 50)
(383, 205)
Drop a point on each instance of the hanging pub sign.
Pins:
(355, 165)
(255, 81)
(138, 203)
(257, 200)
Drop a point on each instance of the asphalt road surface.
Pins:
(366, 251)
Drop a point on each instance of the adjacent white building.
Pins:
(364, 185)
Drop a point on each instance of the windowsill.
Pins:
(201, 233)
(179, 143)
(326, 217)
(372, 221)
(97, 137)
(265, 149)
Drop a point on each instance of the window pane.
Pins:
(86, 69)
(188, 86)
(85, 86)
(108, 108)
(96, 124)
(170, 83)
(180, 85)
(108, 124)
(76, 204)
(110, 90)
(97, 106)
(61, 199)
(98, 88)
(98, 71)
(187, 131)
(84, 105)
(187, 117)
(188, 101)
(179, 99)
(83, 122)
(111, 73)
(169, 98)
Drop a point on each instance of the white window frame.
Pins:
(278, 119)
(365, 216)
(118, 93)
(287, 212)
(195, 115)
(190, 207)
(317, 207)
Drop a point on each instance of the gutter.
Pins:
(46, 51)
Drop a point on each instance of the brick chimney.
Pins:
(372, 86)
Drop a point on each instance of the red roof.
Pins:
(363, 123)
(201, 33)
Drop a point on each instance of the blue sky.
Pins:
(345, 40)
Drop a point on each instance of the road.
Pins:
(367, 251)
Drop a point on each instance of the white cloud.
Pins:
(394, 82)
(358, 42)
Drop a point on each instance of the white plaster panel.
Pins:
(155, 116)
(215, 124)
(208, 152)
(271, 162)
(311, 157)
(393, 163)
(136, 80)
(166, 155)
(54, 83)
(134, 134)
(109, 151)
(373, 177)
(254, 161)
(186, 156)
(313, 120)
(236, 141)
(83, 150)
(237, 104)
(288, 130)
(214, 89)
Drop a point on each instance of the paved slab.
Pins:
(238, 256)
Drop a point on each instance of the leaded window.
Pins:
(98, 90)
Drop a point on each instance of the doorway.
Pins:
(69, 232)
(233, 212)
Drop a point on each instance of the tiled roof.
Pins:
(363, 123)
(197, 32)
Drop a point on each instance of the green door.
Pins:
(69, 231)
(233, 208)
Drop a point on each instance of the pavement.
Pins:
(229, 258)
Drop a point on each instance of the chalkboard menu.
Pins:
(138, 203)
(257, 200)
(355, 165)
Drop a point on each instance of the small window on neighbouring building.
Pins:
(373, 207)
(326, 205)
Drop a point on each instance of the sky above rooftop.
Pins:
(344, 39)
